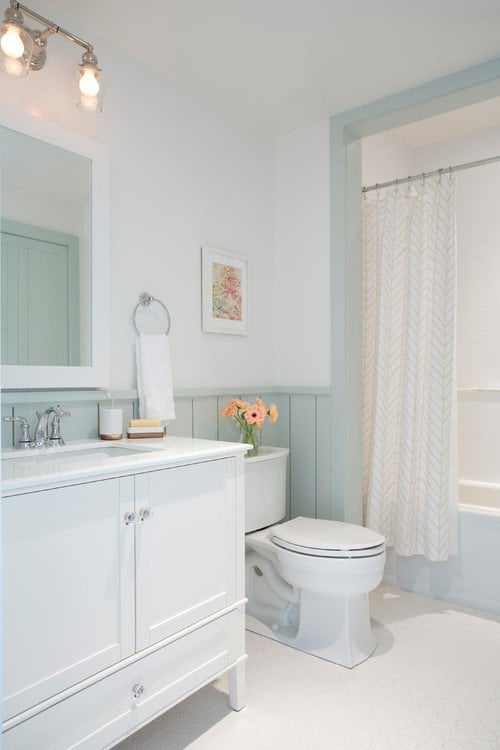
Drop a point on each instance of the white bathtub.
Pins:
(473, 577)
(479, 497)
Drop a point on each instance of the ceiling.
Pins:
(284, 64)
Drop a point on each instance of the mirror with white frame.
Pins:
(55, 256)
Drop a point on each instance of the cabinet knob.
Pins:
(138, 690)
(130, 518)
(145, 513)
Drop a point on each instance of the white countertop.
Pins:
(30, 470)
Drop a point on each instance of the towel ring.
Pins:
(145, 300)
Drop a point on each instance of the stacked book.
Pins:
(145, 428)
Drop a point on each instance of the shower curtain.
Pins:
(410, 482)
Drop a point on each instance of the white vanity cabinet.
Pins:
(121, 597)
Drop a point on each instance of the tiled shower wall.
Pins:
(479, 435)
(303, 427)
(478, 230)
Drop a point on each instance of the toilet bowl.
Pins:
(307, 580)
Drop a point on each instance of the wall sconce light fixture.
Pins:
(23, 50)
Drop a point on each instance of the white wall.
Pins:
(303, 244)
(384, 157)
(183, 173)
(303, 257)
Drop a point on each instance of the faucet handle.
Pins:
(25, 440)
(55, 435)
(62, 412)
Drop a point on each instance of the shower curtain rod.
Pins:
(421, 176)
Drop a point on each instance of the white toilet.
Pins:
(307, 580)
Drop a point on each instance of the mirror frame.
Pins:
(97, 375)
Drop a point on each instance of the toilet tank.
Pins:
(265, 488)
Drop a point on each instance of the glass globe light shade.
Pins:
(16, 47)
(89, 84)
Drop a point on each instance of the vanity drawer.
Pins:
(107, 711)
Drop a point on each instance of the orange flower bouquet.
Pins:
(250, 418)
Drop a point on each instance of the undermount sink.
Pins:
(85, 453)
(54, 460)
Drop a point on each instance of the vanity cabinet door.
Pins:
(185, 547)
(68, 588)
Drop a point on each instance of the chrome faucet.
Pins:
(42, 438)
(42, 427)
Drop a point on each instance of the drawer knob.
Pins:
(138, 690)
(130, 518)
(145, 513)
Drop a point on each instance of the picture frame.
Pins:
(224, 291)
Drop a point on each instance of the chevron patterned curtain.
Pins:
(409, 376)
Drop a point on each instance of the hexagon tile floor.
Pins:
(433, 682)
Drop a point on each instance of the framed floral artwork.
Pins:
(224, 292)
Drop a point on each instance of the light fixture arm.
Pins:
(52, 28)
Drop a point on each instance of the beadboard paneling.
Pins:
(205, 417)
(278, 433)
(303, 456)
(323, 457)
(183, 424)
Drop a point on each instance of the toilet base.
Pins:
(335, 628)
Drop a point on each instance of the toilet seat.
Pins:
(321, 538)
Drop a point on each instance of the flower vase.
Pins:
(248, 436)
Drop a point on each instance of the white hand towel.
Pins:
(154, 377)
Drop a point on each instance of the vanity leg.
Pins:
(236, 684)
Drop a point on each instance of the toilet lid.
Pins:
(313, 536)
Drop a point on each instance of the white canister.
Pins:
(111, 424)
